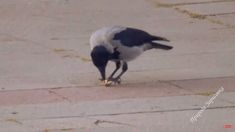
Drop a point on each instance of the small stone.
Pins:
(14, 113)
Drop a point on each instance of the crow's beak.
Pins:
(102, 72)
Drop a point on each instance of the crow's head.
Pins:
(100, 57)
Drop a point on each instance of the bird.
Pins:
(120, 45)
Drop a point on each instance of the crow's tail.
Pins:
(157, 38)
(160, 46)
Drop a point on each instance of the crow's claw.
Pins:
(115, 80)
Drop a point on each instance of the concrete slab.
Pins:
(136, 122)
(56, 31)
(149, 113)
(166, 121)
(204, 87)
(110, 107)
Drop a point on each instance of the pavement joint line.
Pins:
(190, 90)
(221, 14)
(227, 101)
(47, 88)
(194, 15)
(130, 113)
(226, 28)
(198, 16)
(157, 81)
(63, 129)
(200, 52)
(191, 3)
(207, 78)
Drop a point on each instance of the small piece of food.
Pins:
(107, 83)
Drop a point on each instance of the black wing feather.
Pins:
(135, 37)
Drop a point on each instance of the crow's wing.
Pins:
(135, 37)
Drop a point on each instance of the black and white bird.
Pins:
(120, 45)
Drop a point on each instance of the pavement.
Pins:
(48, 83)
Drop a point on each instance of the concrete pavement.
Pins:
(45, 43)
(48, 83)
(164, 113)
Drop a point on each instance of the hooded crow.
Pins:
(120, 45)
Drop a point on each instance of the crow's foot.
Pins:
(116, 80)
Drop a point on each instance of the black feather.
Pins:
(133, 37)
(160, 46)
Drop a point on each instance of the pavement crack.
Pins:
(13, 120)
(98, 122)
(69, 53)
(173, 84)
(194, 15)
(198, 16)
(190, 14)
(59, 95)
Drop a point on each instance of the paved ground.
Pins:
(48, 83)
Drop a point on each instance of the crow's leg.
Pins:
(118, 65)
(118, 78)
